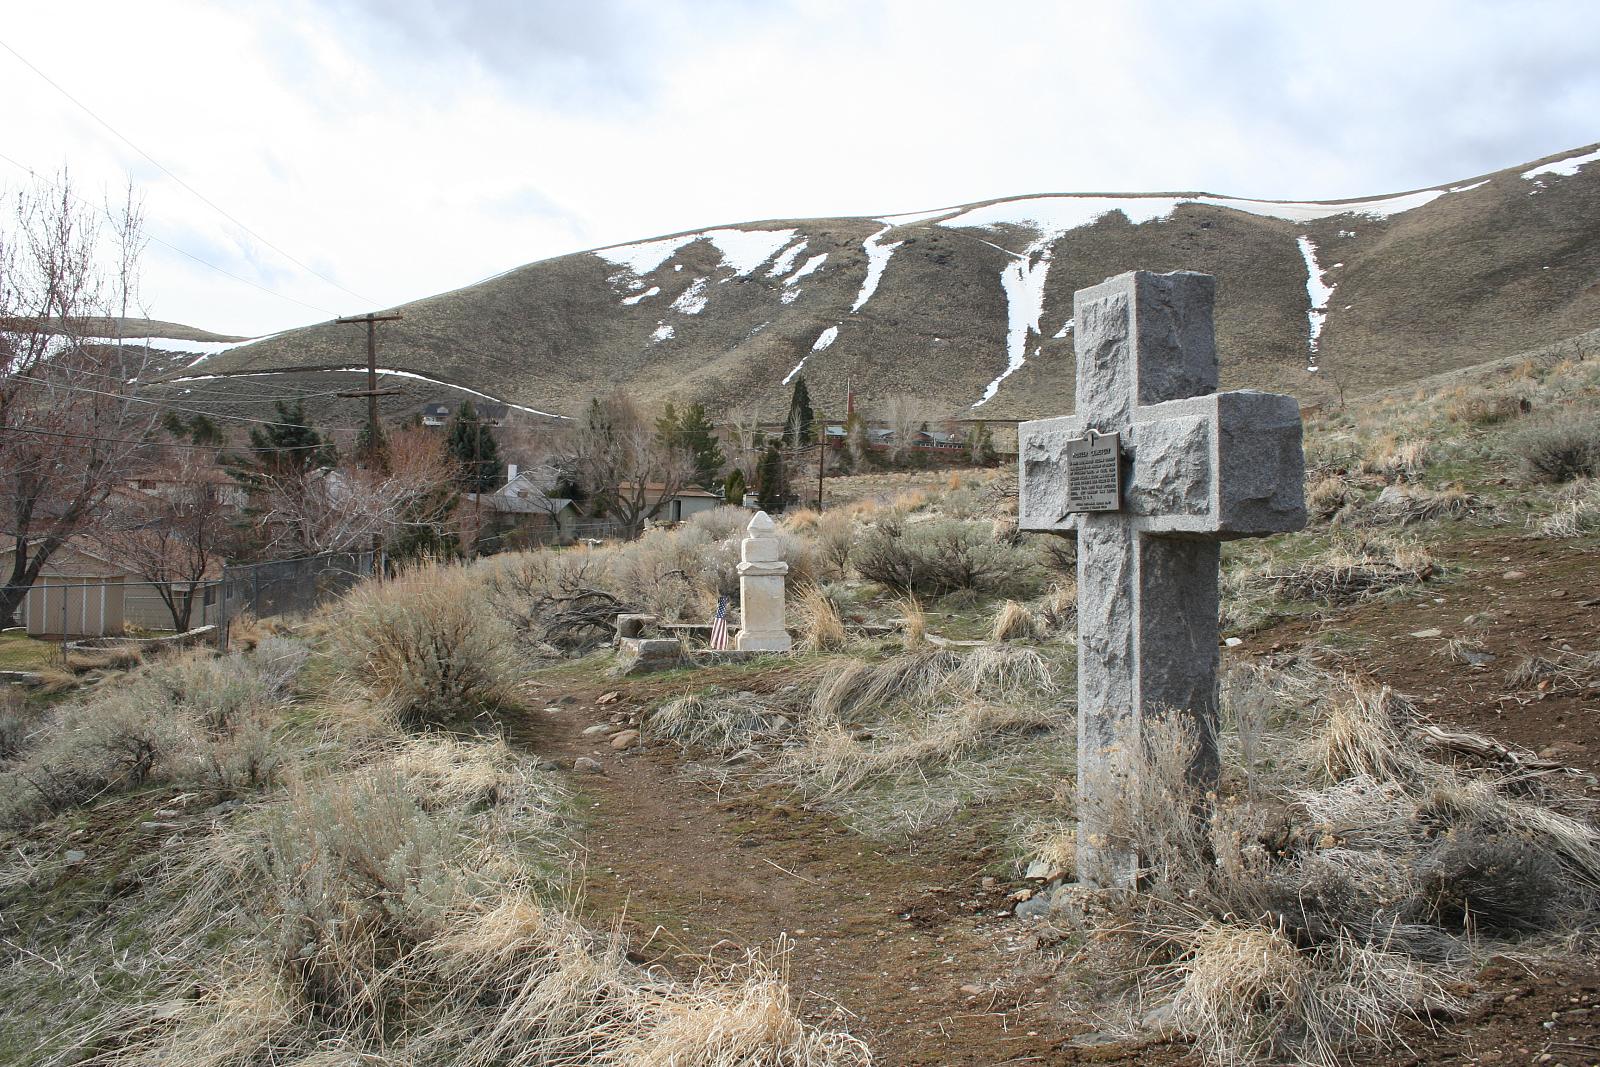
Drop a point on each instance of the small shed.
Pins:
(77, 594)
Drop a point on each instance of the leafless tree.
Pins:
(172, 534)
(620, 461)
(70, 425)
(742, 439)
(343, 508)
(905, 418)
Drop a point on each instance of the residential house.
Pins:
(438, 413)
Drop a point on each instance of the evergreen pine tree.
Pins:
(797, 429)
(473, 447)
(769, 478)
(696, 437)
(668, 427)
(286, 447)
(733, 488)
(373, 453)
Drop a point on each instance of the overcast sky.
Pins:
(405, 147)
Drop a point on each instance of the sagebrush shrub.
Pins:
(425, 644)
(1560, 451)
(195, 719)
(935, 558)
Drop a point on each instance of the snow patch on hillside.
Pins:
(1564, 168)
(692, 300)
(785, 262)
(1023, 281)
(1318, 289)
(745, 250)
(391, 372)
(877, 262)
(645, 256)
(662, 332)
(1066, 328)
(654, 290)
(824, 339)
(791, 295)
(810, 266)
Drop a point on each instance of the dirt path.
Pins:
(909, 951)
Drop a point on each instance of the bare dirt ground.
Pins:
(914, 949)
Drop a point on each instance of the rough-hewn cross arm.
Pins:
(1222, 466)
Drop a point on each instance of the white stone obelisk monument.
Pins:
(761, 576)
(1154, 470)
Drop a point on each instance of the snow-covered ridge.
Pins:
(362, 370)
(1059, 214)
(1564, 168)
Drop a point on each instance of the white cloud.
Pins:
(406, 148)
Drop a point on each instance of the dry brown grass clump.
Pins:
(1015, 622)
(818, 620)
(1396, 459)
(717, 721)
(1577, 511)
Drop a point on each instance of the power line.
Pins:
(170, 406)
(195, 192)
(168, 244)
(148, 441)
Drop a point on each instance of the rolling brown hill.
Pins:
(969, 302)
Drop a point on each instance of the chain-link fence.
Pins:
(284, 587)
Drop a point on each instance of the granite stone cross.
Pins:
(1188, 468)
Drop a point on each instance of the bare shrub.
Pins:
(1348, 570)
(1560, 451)
(422, 645)
(835, 535)
(939, 557)
(722, 523)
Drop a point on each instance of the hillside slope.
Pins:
(967, 308)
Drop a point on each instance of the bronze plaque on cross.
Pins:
(1094, 472)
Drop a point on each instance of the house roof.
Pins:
(659, 487)
(520, 505)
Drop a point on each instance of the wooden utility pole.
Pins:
(371, 392)
(375, 455)
(822, 458)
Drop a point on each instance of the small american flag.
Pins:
(719, 625)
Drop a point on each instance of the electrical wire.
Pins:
(192, 190)
(168, 244)
(168, 406)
